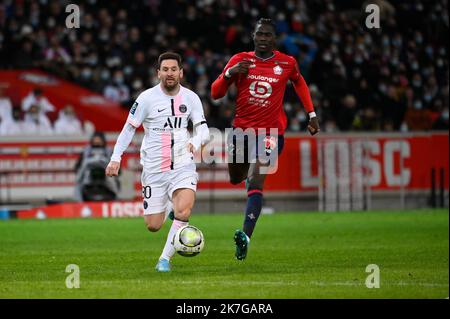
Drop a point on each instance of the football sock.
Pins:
(169, 250)
(254, 205)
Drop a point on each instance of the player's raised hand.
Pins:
(112, 169)
(313, 126)
(240, 67)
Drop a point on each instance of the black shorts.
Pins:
(247, 148)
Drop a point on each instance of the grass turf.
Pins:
(292, 255)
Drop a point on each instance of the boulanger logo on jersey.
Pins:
(260, 89)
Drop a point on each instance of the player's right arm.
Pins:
(135, 118)
(234, 67)
(124, 139)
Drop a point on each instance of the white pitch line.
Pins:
(241, 283)
(401, 283)
(314, 283)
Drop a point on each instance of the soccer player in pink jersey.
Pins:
(260, 77)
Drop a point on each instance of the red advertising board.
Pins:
(393, 161)
(85, 210)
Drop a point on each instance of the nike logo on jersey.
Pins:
(193, 184)
(161, 110)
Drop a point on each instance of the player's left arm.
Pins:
(302, 90)
(201, 130)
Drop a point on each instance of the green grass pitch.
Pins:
(292, 255)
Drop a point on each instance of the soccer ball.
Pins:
(188, 241)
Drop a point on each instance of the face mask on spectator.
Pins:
(385, 41)
(358, 59)
(418, 105)
(382, 87)
(326, 57)
(86, 73)
(104, 75)
(415, 65)
(357, 73)
(301, 116)
(397, 42)
(444, 115)
(118, 79)
(419, 39)
(335, 38)
(51, 23)
(417, 83)
(137, 84)
(440, 63)
(200, 69)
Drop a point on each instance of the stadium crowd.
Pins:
(394, 78)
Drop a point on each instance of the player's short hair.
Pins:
(267, 21)
(170, 56)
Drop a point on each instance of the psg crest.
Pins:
(183, 108)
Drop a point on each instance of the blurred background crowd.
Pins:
(394, 78)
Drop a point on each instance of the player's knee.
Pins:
(153, 227)
(183, 214)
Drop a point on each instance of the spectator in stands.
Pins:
(11, 124)
(67, 122)
(5, 105)
(418, 118)
(37, 99)
(36, 122)
(335, 51)
(442, 121)
(117, 90)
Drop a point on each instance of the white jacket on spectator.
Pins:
(37, 124)
(5, 108)
(42, 102)
(11, 128)
(67, 122)
(8, 124)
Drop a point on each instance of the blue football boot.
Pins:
(163, 265)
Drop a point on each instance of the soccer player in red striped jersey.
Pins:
(260, 77)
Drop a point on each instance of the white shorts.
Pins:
(157, 188)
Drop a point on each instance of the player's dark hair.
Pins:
(170, 56)
(267, 21)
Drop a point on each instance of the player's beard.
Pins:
(171, 87)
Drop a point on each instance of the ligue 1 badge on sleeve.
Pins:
(277, 70)
(134, 107)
